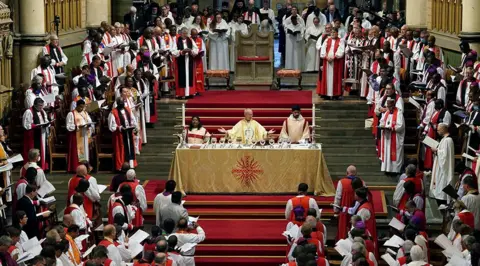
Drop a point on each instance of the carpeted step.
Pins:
(252, 99)
(239, 260)
(241, 249)
(238, 112)
(264, 121)
(239, 231)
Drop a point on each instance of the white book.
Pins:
(415, 103)
(393, 253)
(443, 241)
(292, 232)
(80, 238)
(42, 213)
(15, 159)
(48, 200)
(88, 251)
(468, 156)
(99, 228)
(29, 244)
(397, 224)
(101, 188)
(343, 246)
(192, 220)
(26, 256)
(187, 246)
(135, 248)
(388, 259)
(395, 242)
(442, 207)
(45, 189)
(183, 202)
(49, 98)
(430, 142)
(138, 237)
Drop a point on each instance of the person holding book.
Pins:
(312, 34)
(219, 33)
(80, 129)
(392, 125)
(295, 46)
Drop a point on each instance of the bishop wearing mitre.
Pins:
(295, 127)
(247, 130)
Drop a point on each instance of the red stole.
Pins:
(200, 87)
(137, 221)
(370, 224)
(87, 203)
(142, 42)
(118, 141)
(337, 71)
(110, 211)
(14, 199)
(393, 137)
(405, 197)
(107, 243)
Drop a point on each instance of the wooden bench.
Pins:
(223, 73)
(54, 155)
(289, 73)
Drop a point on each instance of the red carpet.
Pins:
(244, 230)
(251, 99)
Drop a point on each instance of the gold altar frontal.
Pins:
(258, 170)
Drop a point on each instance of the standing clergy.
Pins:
(58, 58)
(36, 125)
(185, 65)
(312, 34)
(295, 127)
(392, 125)
(443, 165)
(332, 52)
(247, 129)
(139, 198)
(295, 46)
(79, 126)
(87, 186)
(199, 61)
(122, 123)
(218, 34)
(241, 27)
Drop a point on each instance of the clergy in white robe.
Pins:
(471, 198)
(185, 67)
(247, 130)
(392, 124)
(218, 34)
(80, 129)
(143, 88)
(185, 237)
(195, 132)
(48, 74)
(268, 15)
(312, 34)
(295, 46)
(109, 234)
(443, 164)
(295, 127)
(235, 27)
(332, 53)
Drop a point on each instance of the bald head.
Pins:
(67, 220)
(351, 170)
(248, 113)
(109, 231)
(160, 258)
(442, 129)
(162, 246)
(311, 220)
(81, 170)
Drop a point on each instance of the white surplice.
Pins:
(218, 55)
(388, 165)
(27, 122)
(443, 168)
(194, 52)
(295, 47)
(313, 54)
(331, 65)
(86, 131)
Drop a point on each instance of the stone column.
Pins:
(413, 17)
(32, 35)
(97, 11)
(471, 23)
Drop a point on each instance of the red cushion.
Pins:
(253, 58)
(292, 73)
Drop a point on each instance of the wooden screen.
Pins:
(446, 16)
(69, 11)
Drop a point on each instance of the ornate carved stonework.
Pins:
(5, 19)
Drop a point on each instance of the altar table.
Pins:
(251, 170)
